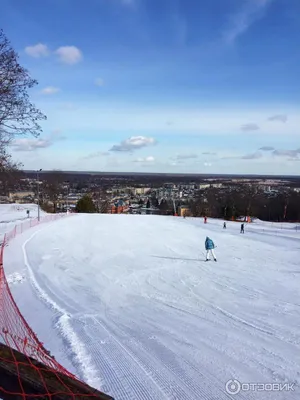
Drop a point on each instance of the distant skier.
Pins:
(224, 225)
(209, 247)
(205, 220)
(242, 228)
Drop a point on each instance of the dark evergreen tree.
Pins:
(85, 205)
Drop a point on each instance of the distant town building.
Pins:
(204, 185)
(21, 196)
(184, 211)
(119, 207)
(141, 191)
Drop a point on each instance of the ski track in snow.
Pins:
(81, 358)
(144, 318)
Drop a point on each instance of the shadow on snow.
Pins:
(178, 258)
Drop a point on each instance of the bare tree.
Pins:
(102, 200)
(52, 187)
(197, 207)
(18, 116)
(7, 165)
(9, 180)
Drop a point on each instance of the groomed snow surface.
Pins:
(15, 214)
(128, 304)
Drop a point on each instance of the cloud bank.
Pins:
(134, 143)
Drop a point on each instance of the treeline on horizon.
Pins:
(248, 200)
(153, 177)
(241, 200)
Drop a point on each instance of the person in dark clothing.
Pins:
(242, 228)
(224, 225)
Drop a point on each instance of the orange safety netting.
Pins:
(23, 357)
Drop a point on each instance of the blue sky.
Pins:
(161, 85)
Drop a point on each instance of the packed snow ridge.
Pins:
(129, 304)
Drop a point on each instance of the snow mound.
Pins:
(15, 278)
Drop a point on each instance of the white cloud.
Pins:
(69, 54)
(267, 148)
(66, 54)
(134, 143)
(242, 20)
(266, 154)
(148, 159)
(97, 154)
(287, 153)
(186, 156)
(37, 51)
(25, 144)
(50, 90)
(249, 127)
(28, 144)
(99, 82)
(278, 118)
(252, 156)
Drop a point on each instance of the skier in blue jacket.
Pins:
(209, 247)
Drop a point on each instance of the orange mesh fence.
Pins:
(23, 355)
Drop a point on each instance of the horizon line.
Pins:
(160, 173)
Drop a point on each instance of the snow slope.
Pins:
(12, 214)
(128, 304)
